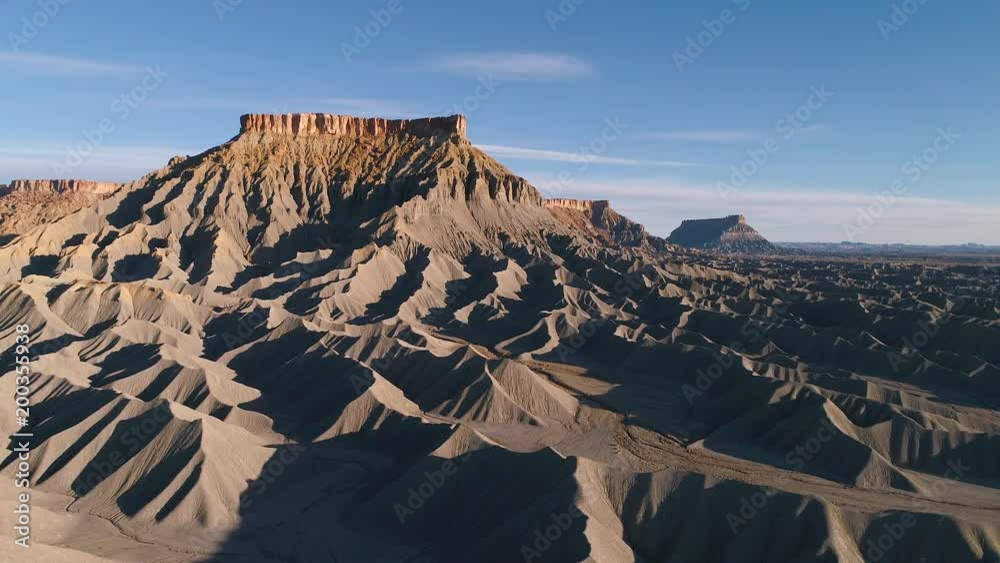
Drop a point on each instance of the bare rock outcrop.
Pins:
(379, 164)
(585, 205)
(27, 203)
(60, 186)
(609, 224)
(328, 124)
(287, 336)
(726, 234)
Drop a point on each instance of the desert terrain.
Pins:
(337, 339)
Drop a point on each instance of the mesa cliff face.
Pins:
(329, 124)
(726, 234)
(610, 225)
(61, 186)
(338, 172)
(585, 205)
(27, 203)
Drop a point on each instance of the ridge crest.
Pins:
(312, 124)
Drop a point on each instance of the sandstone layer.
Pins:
(327, 124)
(329, 348)
(62, 186)
(25, 204)
(584, 205)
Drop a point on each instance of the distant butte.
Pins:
(599, 216)
(346, 125)
(726, 234)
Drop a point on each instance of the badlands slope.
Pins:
(598, 218)
(335, 339)
(27, 203)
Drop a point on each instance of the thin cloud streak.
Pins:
(352, 106)
(112, 163)
(54, 150)
(65, 65)
(720, 136)
(790, 215)
(575, 158)
(511, 66)
(704, 136)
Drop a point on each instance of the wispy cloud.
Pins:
(721, 135)
(707, 136)
(794, 214)
(64, 65)
(248, 105)
(104, 163)
(511, 66)
(358, 106)
(815, 128)
(346, 105)
(576, 158)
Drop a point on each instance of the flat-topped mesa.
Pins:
(726, 234)
(313, 124)
(578, 204)
(62, 186)
(723, 222)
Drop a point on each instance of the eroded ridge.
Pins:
(359, 343)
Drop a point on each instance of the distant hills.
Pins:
(911, 250)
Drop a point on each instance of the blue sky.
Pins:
(694, 88)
